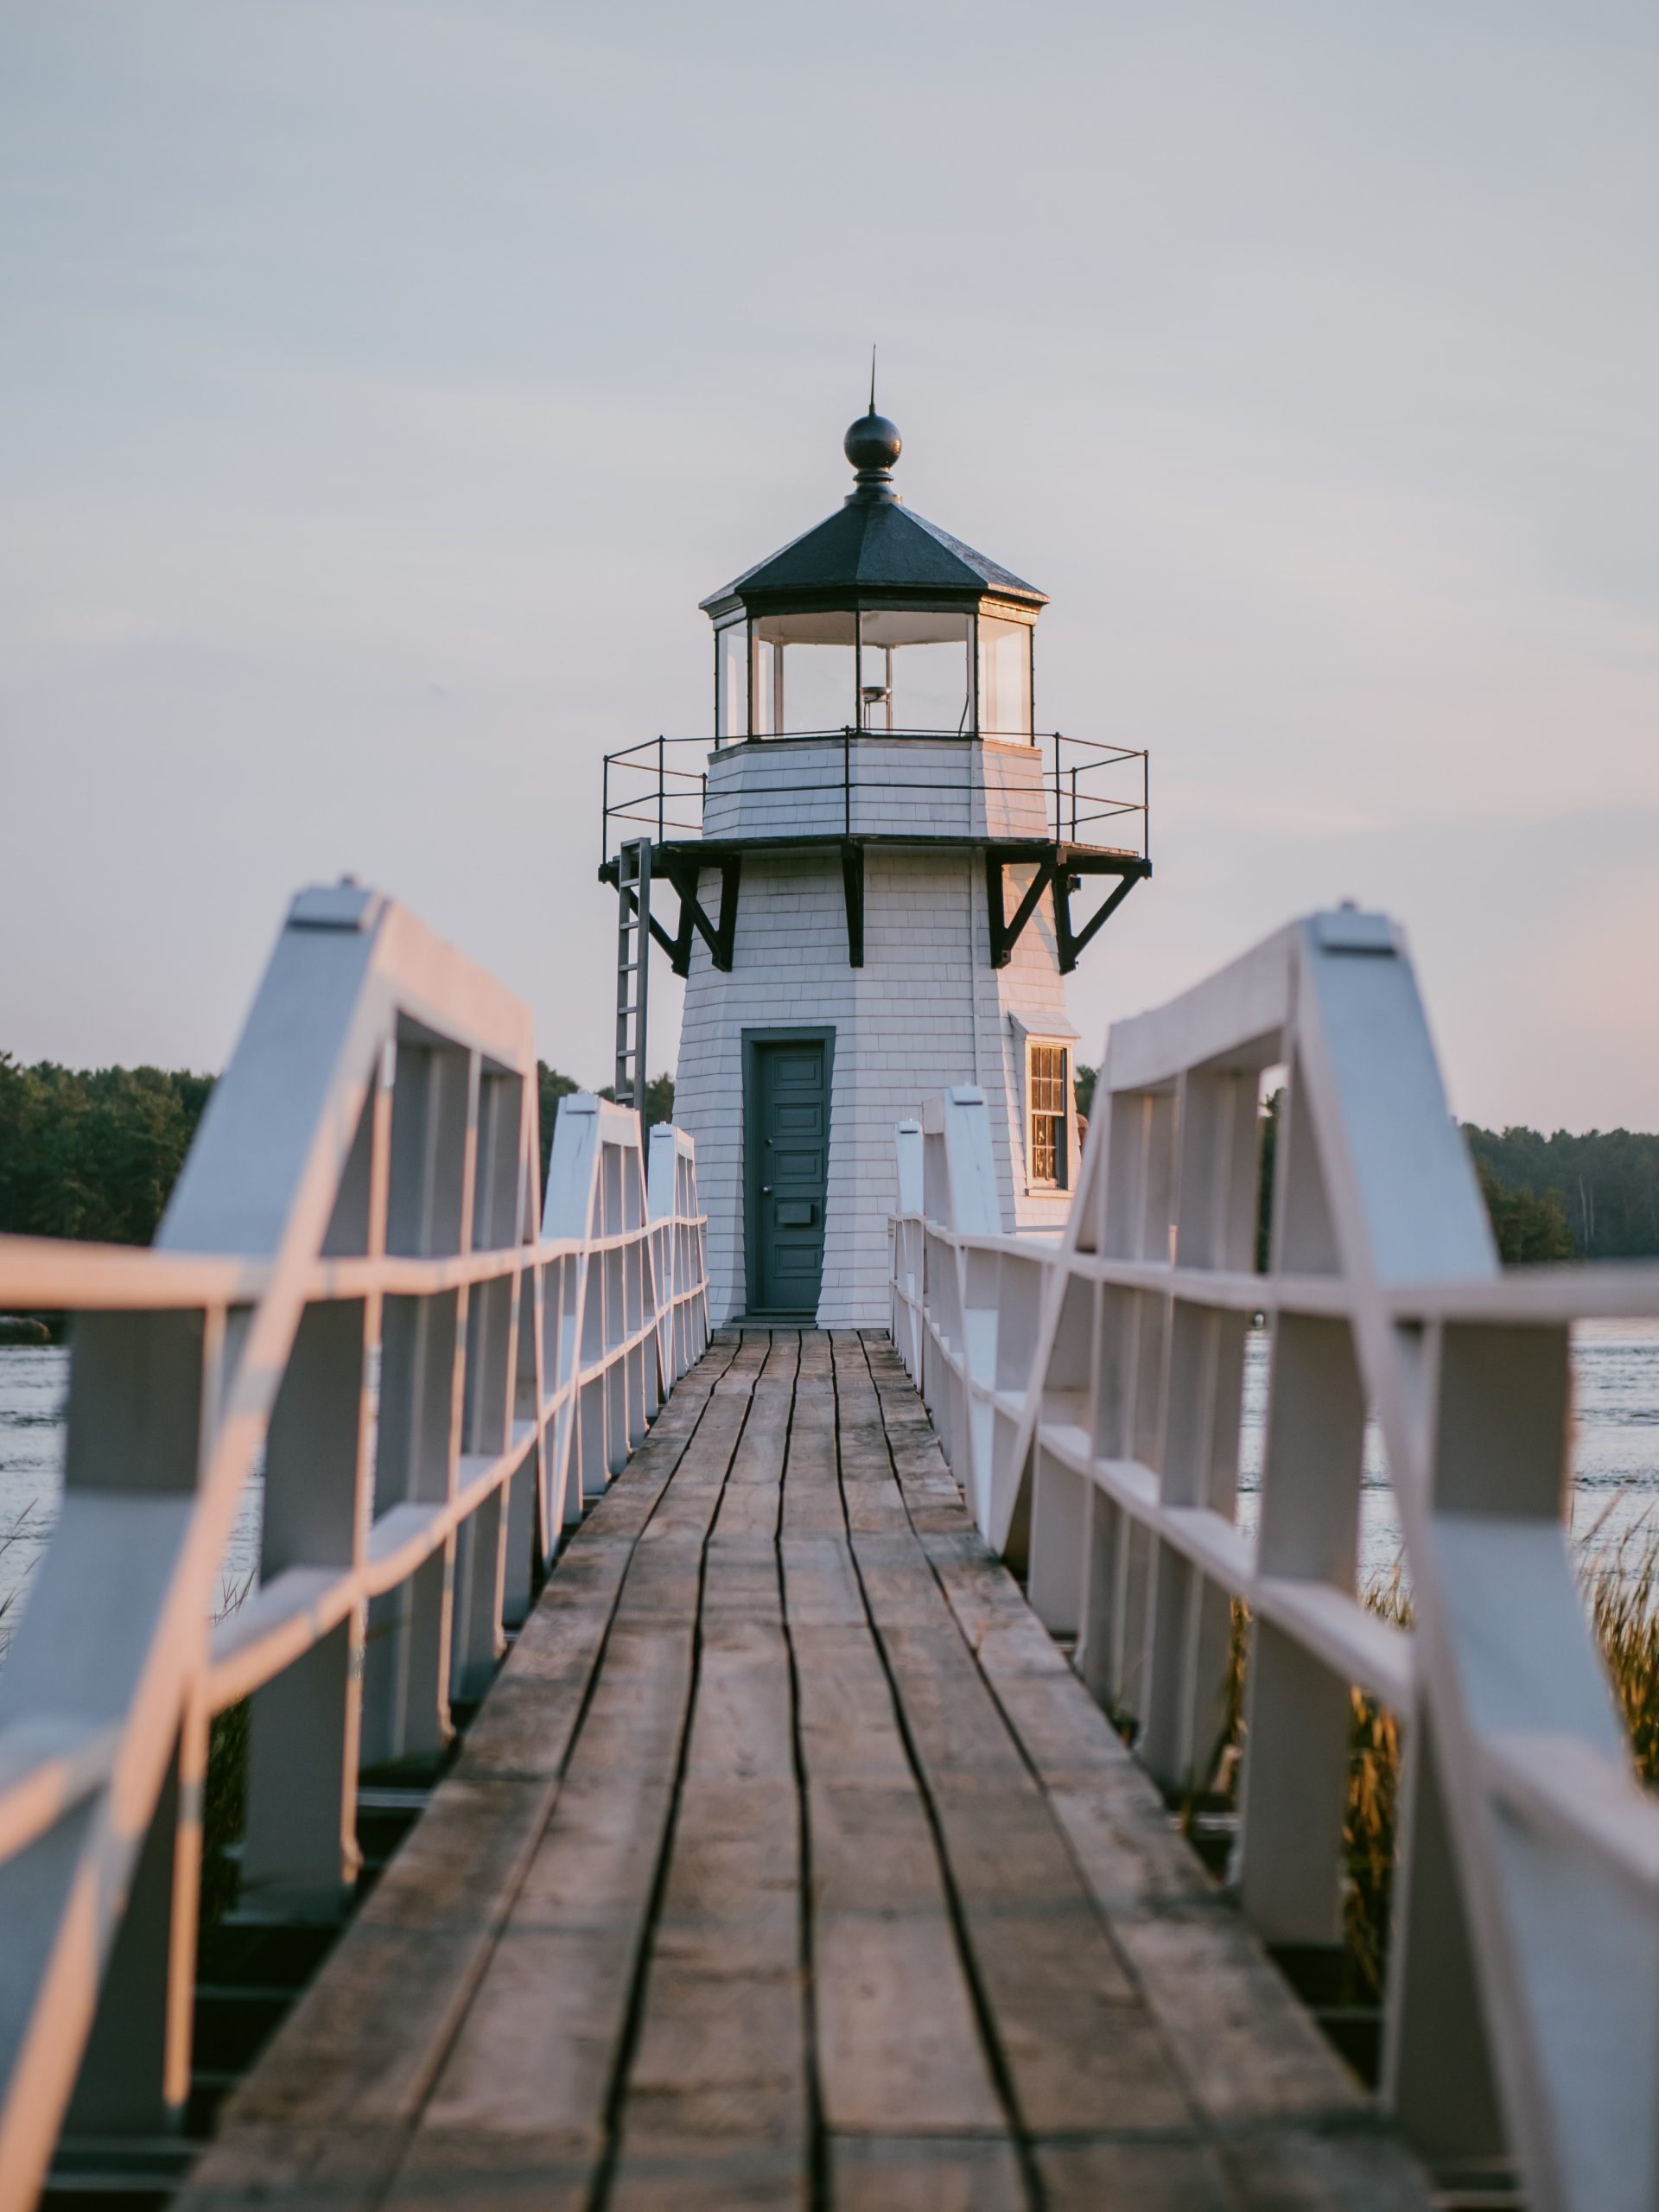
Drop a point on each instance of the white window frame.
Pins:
(1060, 1182)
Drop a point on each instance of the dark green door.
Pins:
(788, 1161)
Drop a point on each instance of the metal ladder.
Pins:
(632, 969)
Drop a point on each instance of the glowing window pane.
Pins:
(1046, 1092)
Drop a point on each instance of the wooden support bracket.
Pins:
(718, 934)
(1056, 866)
(1005, 935)
(1071, 942)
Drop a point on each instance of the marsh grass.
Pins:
(15, 1534)
(1621, 1589)
(1623, 1593)
(1368, 1819)
(225, 1790)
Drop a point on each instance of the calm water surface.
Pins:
(1616, 1455)
(1615, 1445)
(34, 1385)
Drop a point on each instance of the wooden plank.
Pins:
(1361, 2168)
(1080, 2051)
(1140, 2176)
(717, 2100)
(821, 1589)
(818, 1367)
(926, 2174)
(881, 1924)
(875, 1505)
(898, 1584)
(441, 2173)
(874, 1508)
(535, 2057)
(812, 1505)
(739, 2178)
(750, 1506)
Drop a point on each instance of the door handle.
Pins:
(765, 1189)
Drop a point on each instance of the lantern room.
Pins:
(876, 622)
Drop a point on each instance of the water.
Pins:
(34, 1389)
(1615, 1447)
(1616, 1455)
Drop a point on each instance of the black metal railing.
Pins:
(1085, 785)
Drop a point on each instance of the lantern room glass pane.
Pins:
(806, 672)
(766, 664)
(1004, 678)
(914, 670)
(732, 681)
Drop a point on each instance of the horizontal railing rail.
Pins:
(1089, 1397)
(357, 1300)
(1086, 785)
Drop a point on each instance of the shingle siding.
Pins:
(905, 1027)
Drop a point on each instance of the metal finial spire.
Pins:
(873, 445)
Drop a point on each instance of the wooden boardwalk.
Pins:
(788, 1864)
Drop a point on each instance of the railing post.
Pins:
(1437, 2061)
(135, 2071)
(300, 1853)
(662, 783)
(1146, 811)
(406, 1688)
(1212, 1196)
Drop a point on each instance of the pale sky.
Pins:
(384, 384)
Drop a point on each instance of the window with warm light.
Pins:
(1048, 1094)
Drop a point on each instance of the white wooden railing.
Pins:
(1089, 1396)
(349, 1286)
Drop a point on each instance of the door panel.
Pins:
(789, 1124)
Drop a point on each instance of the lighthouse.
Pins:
(884, 874)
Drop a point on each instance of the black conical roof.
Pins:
(875, 551)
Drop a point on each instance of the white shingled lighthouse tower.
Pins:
(875, 862)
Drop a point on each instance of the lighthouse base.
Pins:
(794, 1067)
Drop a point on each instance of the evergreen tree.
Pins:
(1528, 1229)
(93, 1153)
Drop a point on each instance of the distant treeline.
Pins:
(1531, 1186)
(1557, 1198)
(93, 1152)
(1607, 1184)
(86, 1153)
